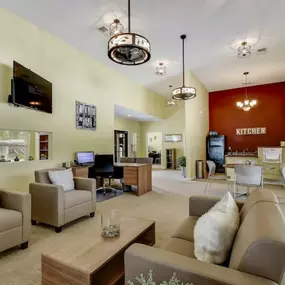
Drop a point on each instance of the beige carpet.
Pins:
(166, 206)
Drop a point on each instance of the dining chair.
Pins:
(212, 177)
(247, 176)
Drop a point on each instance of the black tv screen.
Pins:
(31, 90)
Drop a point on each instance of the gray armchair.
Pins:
(54, 206)
(15, 219)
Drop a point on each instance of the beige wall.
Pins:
(196, 124)
(132, 127)
(75, 76)
(174, 123)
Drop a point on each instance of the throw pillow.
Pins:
(215, 231)
(63, 178)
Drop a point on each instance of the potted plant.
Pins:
(182, 164)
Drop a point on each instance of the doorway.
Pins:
(154, 148)
(120, 144)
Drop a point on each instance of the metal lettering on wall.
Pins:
(250, 131)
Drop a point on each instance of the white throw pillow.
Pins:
(63, 178)
(215, 231)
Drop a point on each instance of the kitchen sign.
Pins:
(250, 131)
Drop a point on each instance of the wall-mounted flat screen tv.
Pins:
(31, 90)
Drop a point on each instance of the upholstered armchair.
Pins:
(15, 219)
(53, 206)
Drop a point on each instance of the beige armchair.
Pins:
(15, 219)
(257, 257)
(54, 206)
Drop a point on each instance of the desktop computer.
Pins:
(85, 158)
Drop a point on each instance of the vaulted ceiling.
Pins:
(214, 30)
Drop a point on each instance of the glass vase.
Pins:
(110, 224)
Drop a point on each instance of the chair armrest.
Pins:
(141, 258)
(199, 205)
(47, 203)
(21, 202)
(87, 184)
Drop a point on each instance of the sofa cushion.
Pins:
(257, 196)
(41, 176)
(186, 229)
(63, 178)
(180, 246)
(9, 219)
(215, 231)
(76, 197)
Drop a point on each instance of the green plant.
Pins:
(182, 161)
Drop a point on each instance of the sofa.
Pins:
(15, 219)
(257, 256)
(53, 206)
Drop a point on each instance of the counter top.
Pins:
(242, 155)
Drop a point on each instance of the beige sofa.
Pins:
(257, 257)
(15, 219)
(54, 206)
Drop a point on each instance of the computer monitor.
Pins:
(104, 163)
(85, 157)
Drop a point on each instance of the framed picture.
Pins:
(173, 138)
(85, 116)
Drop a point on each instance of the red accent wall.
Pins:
(269, 112)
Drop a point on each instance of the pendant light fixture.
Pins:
(160, 69)
(183, 93)
(171, 102)
(247, 104)
(116, 28)
(244, 50)
(129, 48)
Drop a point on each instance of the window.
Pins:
(17, 145)
(14, 144)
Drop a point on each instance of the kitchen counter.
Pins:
(270, 172)
(242, 155)
(239, 158)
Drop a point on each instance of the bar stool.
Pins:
(211, 176)
(247, 176)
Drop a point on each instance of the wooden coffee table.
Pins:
(92, 259)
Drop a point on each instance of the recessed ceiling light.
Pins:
(129, 115)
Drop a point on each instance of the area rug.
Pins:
(167, 207)
(100, 196)
(23, 267)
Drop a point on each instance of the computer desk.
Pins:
(139, 174)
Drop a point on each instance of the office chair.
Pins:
(104, 168)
